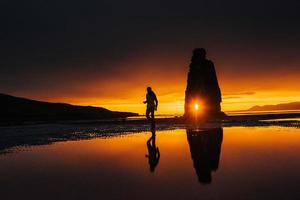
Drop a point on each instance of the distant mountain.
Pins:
(282, 106)
(20, 109)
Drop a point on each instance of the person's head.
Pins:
(199, 53)
(149, 89)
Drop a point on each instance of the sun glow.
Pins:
(196, 106)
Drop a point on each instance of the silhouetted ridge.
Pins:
(21, 109)
(281, 106)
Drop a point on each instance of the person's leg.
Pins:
(152, 114)
(149, 142)
(148, 113)
(153, 128)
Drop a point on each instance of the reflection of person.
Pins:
(205, 147)
(152, 104)
(153, 151)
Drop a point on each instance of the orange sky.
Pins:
(245, 79)
(125, 91)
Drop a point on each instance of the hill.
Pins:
(282, 106)
(16, 109)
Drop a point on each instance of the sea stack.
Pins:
(203, 94)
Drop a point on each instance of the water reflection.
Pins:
(205, 147)
(262, 159)
(153, 151)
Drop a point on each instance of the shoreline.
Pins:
(228, 119)
(47, 133)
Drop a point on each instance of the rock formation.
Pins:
(202, 86)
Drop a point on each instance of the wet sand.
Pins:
(46, 133)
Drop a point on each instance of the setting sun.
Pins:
(196, 106)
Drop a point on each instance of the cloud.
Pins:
(238, 93)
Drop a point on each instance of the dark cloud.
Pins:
(45, 43)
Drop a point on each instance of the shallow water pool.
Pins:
(220, 163)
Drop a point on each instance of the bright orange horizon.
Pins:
(245, 80)
(173, 103)
(125, 89)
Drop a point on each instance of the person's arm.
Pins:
(146, 100)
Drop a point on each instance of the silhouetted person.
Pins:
(152, 103)
(153, 151)
(205, 147)
(202, 85)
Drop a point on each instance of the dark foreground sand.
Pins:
(38, 133)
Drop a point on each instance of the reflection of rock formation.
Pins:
(202, 85)
(205, 147)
